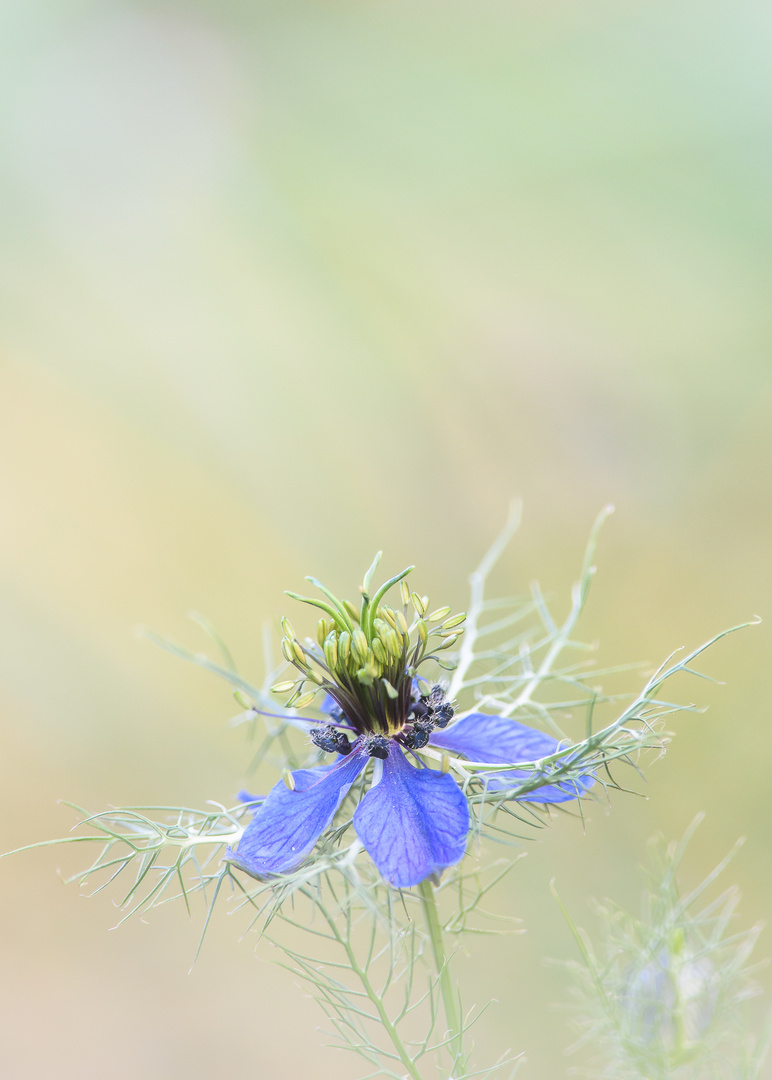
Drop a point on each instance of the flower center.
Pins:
(368, 661)
(427, 712)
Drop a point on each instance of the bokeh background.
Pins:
(283, 283)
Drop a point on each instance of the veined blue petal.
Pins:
(288, 824)
(413, 822)
(494, 739)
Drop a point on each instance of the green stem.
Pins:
(448, 990)
(376, 1000)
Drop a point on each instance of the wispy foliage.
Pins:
(660, 996)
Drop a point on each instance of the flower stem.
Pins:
(376, 1000)
(448, 990)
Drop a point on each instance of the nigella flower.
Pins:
(668, 1003)
(414, 819)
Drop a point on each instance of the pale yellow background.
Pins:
(283, 283)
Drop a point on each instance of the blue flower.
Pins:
(413, 820)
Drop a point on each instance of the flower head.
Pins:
(381, 713)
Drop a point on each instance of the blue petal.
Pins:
(287, 825)
(329, 706)
(494, 739)
(413, 822)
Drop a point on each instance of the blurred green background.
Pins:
(284, 283)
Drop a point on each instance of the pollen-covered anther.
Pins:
(369, 673)
(359, 646)
(443, 715)
(329, 739)
(388, 616)
(417, 735)
(377, 746)
(435, 697)
(393, 644)
(330, 646)
(392, 693)
(433, 709)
